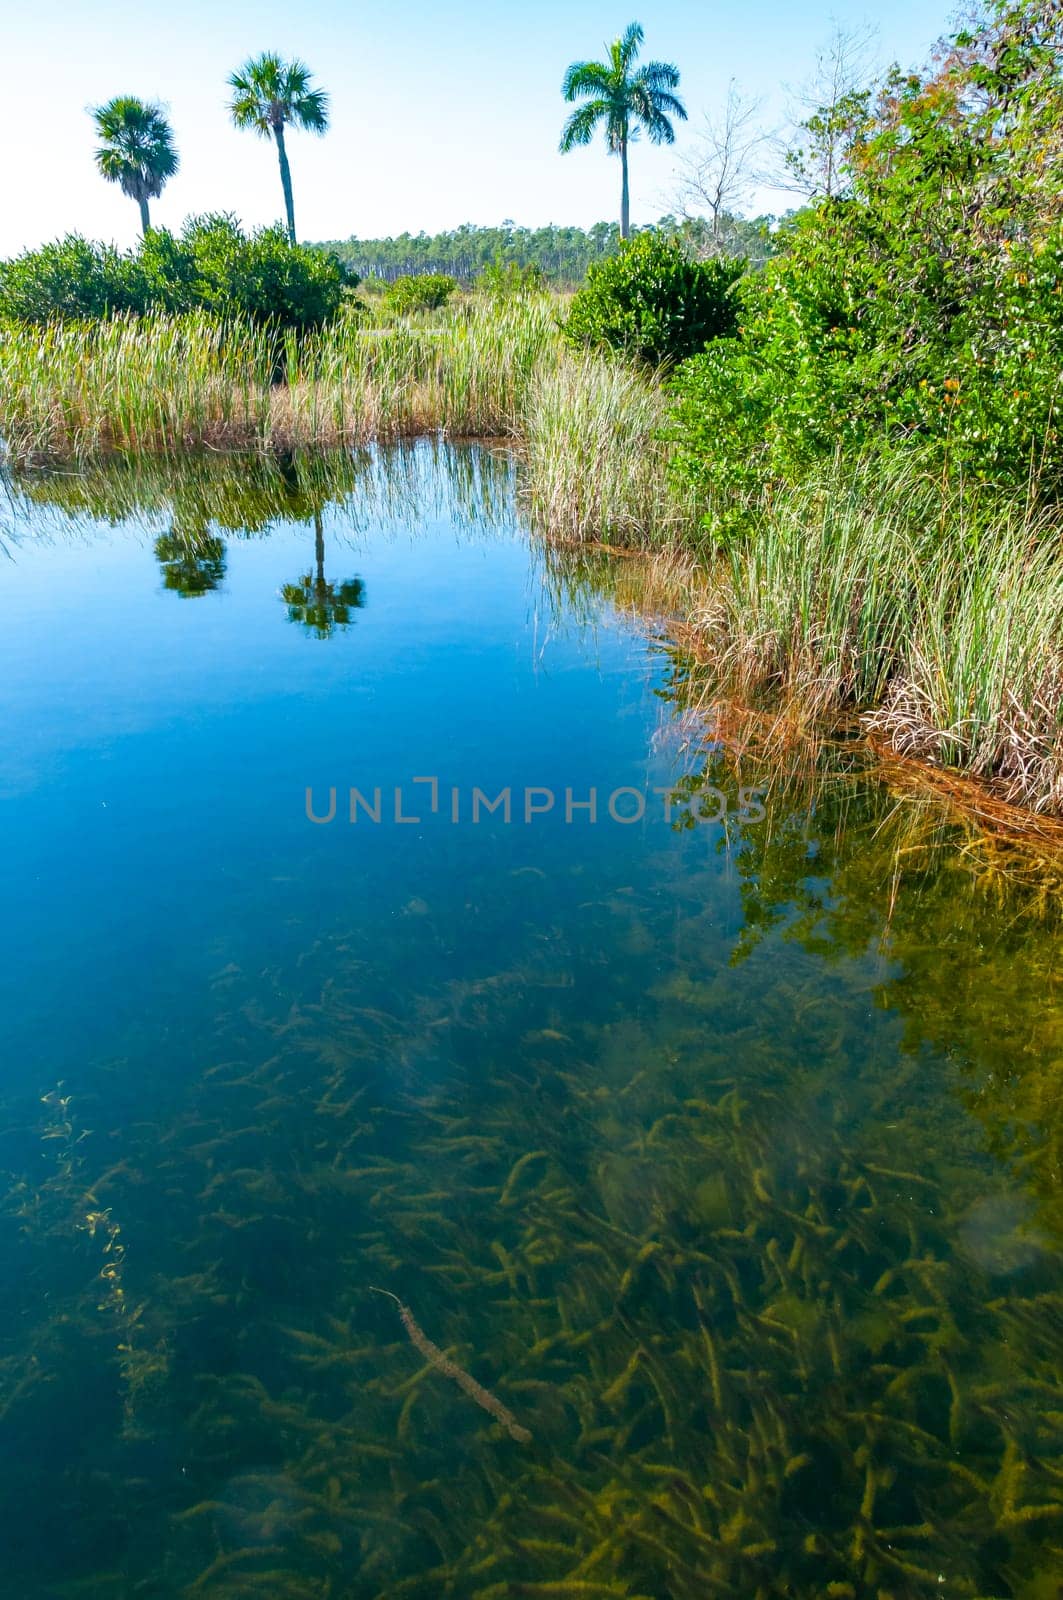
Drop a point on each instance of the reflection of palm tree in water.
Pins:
(192, 560)
(321, 606)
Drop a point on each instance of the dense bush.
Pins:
(211, 265)
(923, 305)
(70, 278)
(262, 277)
(654, 303)
(425, 292)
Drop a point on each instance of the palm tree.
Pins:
(267, 93)
(625, 100)
(136, 150)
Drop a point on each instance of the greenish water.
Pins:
(724, 1155)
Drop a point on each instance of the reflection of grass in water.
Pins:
(400, 485)
(772, 1279)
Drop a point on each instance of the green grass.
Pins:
(160, 384)
(879, 592)
(596, 466)
(478, 370)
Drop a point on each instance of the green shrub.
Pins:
(71, 278)
(262, 276)
(211, 265)
(427, 291)
(654, 303)
(767, 403)
(508, 280)
(918, 310)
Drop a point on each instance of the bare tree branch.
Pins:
(828, 112)
(717, 176)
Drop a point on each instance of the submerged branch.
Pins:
(450, 1369)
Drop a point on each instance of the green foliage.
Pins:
(426, 292)
(212, 265)
(268, 92)
(68, 278)
(922, 306)
(562, 255)
(262, 276)
(507, 280)
(623, 97)
(136, 148)
(654, 303)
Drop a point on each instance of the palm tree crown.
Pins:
(269, 92)
(136, 150)
(626, 99)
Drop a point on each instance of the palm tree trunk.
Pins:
(625, 197)
(319, 552)
(145, 220)
(286, 179)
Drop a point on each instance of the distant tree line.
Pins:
(563, 254)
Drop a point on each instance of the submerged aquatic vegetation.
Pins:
(774, 1277)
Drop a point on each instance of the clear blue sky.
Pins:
(441, 114)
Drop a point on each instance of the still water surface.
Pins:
(716, 1164)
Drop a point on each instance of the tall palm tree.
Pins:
(625, 100)
(136, 149)
(269, 92)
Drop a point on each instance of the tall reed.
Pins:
(880, 592)
(164, 383)
(596, 461)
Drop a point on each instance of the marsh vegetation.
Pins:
(601, 1206)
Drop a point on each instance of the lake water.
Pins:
(712, 1143)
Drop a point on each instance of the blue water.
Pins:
(724, 1157)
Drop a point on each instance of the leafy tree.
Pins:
(423, 292)
(268, 93)
(136, 149)
(654, 303)
(626, 100)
